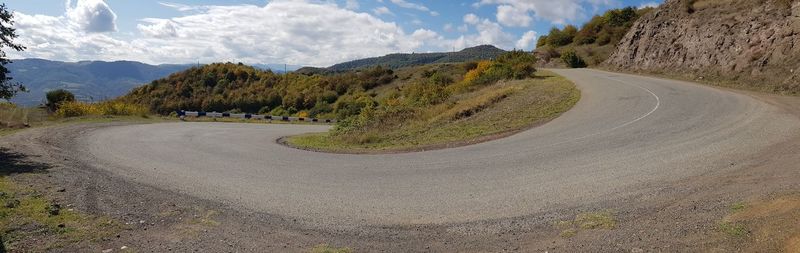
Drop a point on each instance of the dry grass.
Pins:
(12, 116)
(24, 215)
(107, 108)
(14, 119)
(768, 225)
(586, 221)
(502, 108)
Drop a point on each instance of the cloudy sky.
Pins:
(298, 32)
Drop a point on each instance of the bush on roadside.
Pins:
(57, 97)
(7, 106)
(107, 108)
(572, 60)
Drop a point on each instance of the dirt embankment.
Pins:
(752, 44)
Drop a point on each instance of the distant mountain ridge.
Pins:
(393, 61)
(94, 80)
(99, 80)
(89, 80)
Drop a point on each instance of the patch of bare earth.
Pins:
(771, 225)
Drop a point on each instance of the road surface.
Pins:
(625, 135)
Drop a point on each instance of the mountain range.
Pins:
(93, 80)
(88, 80)
(393, 61)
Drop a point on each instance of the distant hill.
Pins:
(395, 61)
(89, 80)
(277, 68)
(233, 87)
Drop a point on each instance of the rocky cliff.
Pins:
(745, 43)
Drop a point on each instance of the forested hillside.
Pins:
(393, 61)
(593, 42)
(235, 87)
(228, 87)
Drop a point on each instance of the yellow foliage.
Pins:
(470, 76)
(107, 108)
(475, 73)
(302, 114)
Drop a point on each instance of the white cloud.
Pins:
(554, 11)
(410, 5)
(92, 15)
(382, 11)
(527, 39)
(649, 4)
(352, 4)
(181, 7)
(317, 33)
(471, 19)
(510, 16)
(447, 27)
(158, 28)
(294, 32)
(488, 32)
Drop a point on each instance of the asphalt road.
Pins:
(627, 134)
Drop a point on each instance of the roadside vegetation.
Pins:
(31, 221)
(590, 45)
(587, 221)
(61, 107)
(228, 87)
(766, 225)
(450, 105)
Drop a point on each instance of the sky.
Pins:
(297, 32)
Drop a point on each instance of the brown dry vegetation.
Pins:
(766, 225)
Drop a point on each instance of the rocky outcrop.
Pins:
(749, 43)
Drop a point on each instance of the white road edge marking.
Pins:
(658, 104)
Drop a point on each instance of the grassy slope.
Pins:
(494, 111)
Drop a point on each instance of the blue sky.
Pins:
(311, 32)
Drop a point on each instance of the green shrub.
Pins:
(521, 63)
(350, 105)
(560, 38)
(264, 110)
(426, 92)
(572, 60)
(57, 97)
(542, 41)
(280, 111)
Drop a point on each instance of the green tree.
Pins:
(542, 41)
(558, 38)
(7, 36)
(572, 60)
(57, 97)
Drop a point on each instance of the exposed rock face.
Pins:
(751, 43)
